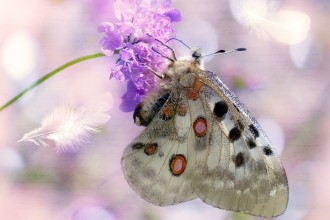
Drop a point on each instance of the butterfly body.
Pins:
(200, 141)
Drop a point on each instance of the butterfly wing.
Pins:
(204, 143)
(241, 172)
(157, 163)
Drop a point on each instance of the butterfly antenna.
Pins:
(170, 59)
(165, 45)
(220, 52)
(155, 72)
(179, 41)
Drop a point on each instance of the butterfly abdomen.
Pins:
(146, 110)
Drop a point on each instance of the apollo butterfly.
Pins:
(200, 141)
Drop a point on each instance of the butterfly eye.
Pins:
(196, 55)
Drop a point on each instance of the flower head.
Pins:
(130, 36)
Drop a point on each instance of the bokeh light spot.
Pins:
(290, 27)
(18, 55)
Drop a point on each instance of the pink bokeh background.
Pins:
(285, 86)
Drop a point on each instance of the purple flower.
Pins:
(131, 97)
(130, 36)
(111, 41)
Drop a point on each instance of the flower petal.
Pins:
(131, 98)
(111, 42)
(174, 14)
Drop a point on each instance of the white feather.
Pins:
(264, 20)
(255, 15)
(68, 127)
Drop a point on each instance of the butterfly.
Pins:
(200, 141)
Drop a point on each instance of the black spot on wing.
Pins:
(240, 125)
(220, 109)
(267, 151)
(234, 134)
(254, 130)
(138, 145)
(239, 159)
(251, 144)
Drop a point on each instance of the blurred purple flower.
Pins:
(129, 37)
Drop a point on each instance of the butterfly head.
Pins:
(178, 67)
(197, 55)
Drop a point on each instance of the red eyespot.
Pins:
(197, 85)
(182, 110)
(200, 126)
(192, 94)
(167, 112)
(150, 148)
(178, 164)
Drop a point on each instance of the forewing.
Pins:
(241, 170)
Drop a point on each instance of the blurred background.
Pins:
(283, 79)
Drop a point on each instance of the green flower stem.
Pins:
(51, 74)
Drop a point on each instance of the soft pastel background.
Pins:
(285, 86)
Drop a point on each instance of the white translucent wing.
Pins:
(157, 163)
(241, 172)
(204, 143)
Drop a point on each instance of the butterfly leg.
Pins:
(155, 72)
